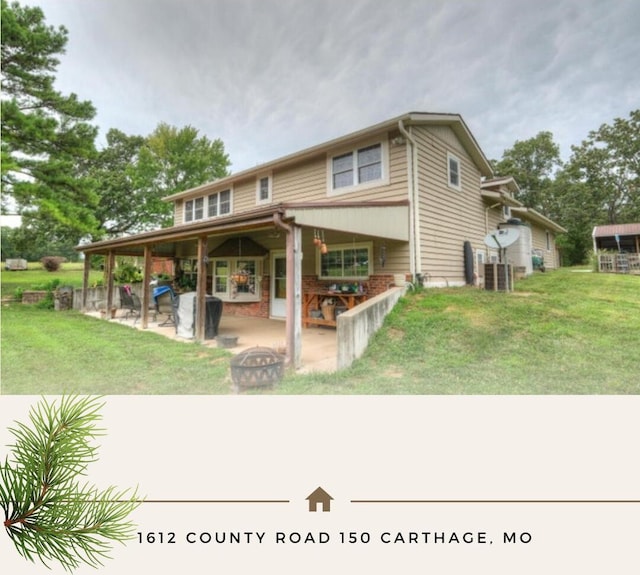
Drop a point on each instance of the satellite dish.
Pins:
(501, 239)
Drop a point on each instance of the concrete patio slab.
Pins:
(319, 346)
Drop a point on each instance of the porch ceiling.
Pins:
(390, 221)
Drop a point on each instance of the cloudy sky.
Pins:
(270, 77)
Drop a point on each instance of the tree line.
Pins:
(67, 190)
(599, 184)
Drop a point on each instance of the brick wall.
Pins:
(376, 284)
(33, 296)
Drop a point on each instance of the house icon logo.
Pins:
(319, 498)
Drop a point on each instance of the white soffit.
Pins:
(389, 222)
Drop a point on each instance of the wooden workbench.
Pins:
(312, 300)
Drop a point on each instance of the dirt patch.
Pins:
(395, 334)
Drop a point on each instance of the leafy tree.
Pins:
(122, 205)
(48, 514)
(532, 163)
(174, 160)
(608, 163)
(132, 174)
(45, 134)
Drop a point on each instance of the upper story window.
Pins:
(506, 212)
(454, 172)
(351, 261)
(219, 203)
(194, 209)
(356, 168)
(263, 190)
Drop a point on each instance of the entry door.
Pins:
(278, 284)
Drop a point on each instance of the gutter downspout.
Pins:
(415, 251)
(293, 319)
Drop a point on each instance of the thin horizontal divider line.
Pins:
(197, 501)
(559, 501)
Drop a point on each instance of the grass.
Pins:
(560, 333)
(70, 274)
(47, 352)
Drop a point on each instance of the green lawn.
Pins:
(36, 276)
(562, 332)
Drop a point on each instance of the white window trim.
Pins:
(269, 199)
(230, 190)
(358, 245)
(229, 296)
(382, 181)
(205, 208)
(455, 158)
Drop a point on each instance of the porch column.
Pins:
(109, 265)
(294, 296)
(85, 282)
(201, 289)
(146, 294)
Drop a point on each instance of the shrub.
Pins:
(52, 263)
(127, 273)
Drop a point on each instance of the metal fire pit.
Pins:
(257, 367)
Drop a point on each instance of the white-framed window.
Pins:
(237, 279)
(263, 189)
(219, 204)
(454, 171)
(547, 240)
(358, 168)
(194, 209)
(347, 261)
(506, 212)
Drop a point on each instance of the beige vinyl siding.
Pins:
(307, 181)
(178, 212)
(539, 241)
(448, 217)
(304, 182)
(495, 218)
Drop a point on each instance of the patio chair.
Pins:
(127, 303)
(165, 304)
(132, 303)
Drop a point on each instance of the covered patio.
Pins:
(257, 257)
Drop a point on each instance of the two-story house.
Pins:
(411, 197)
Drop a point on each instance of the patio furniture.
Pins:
(126, 302)
(164, 299)
(132, 304)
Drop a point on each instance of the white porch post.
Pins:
(201, 289)
(294, 299)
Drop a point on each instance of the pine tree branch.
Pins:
(48, 514)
